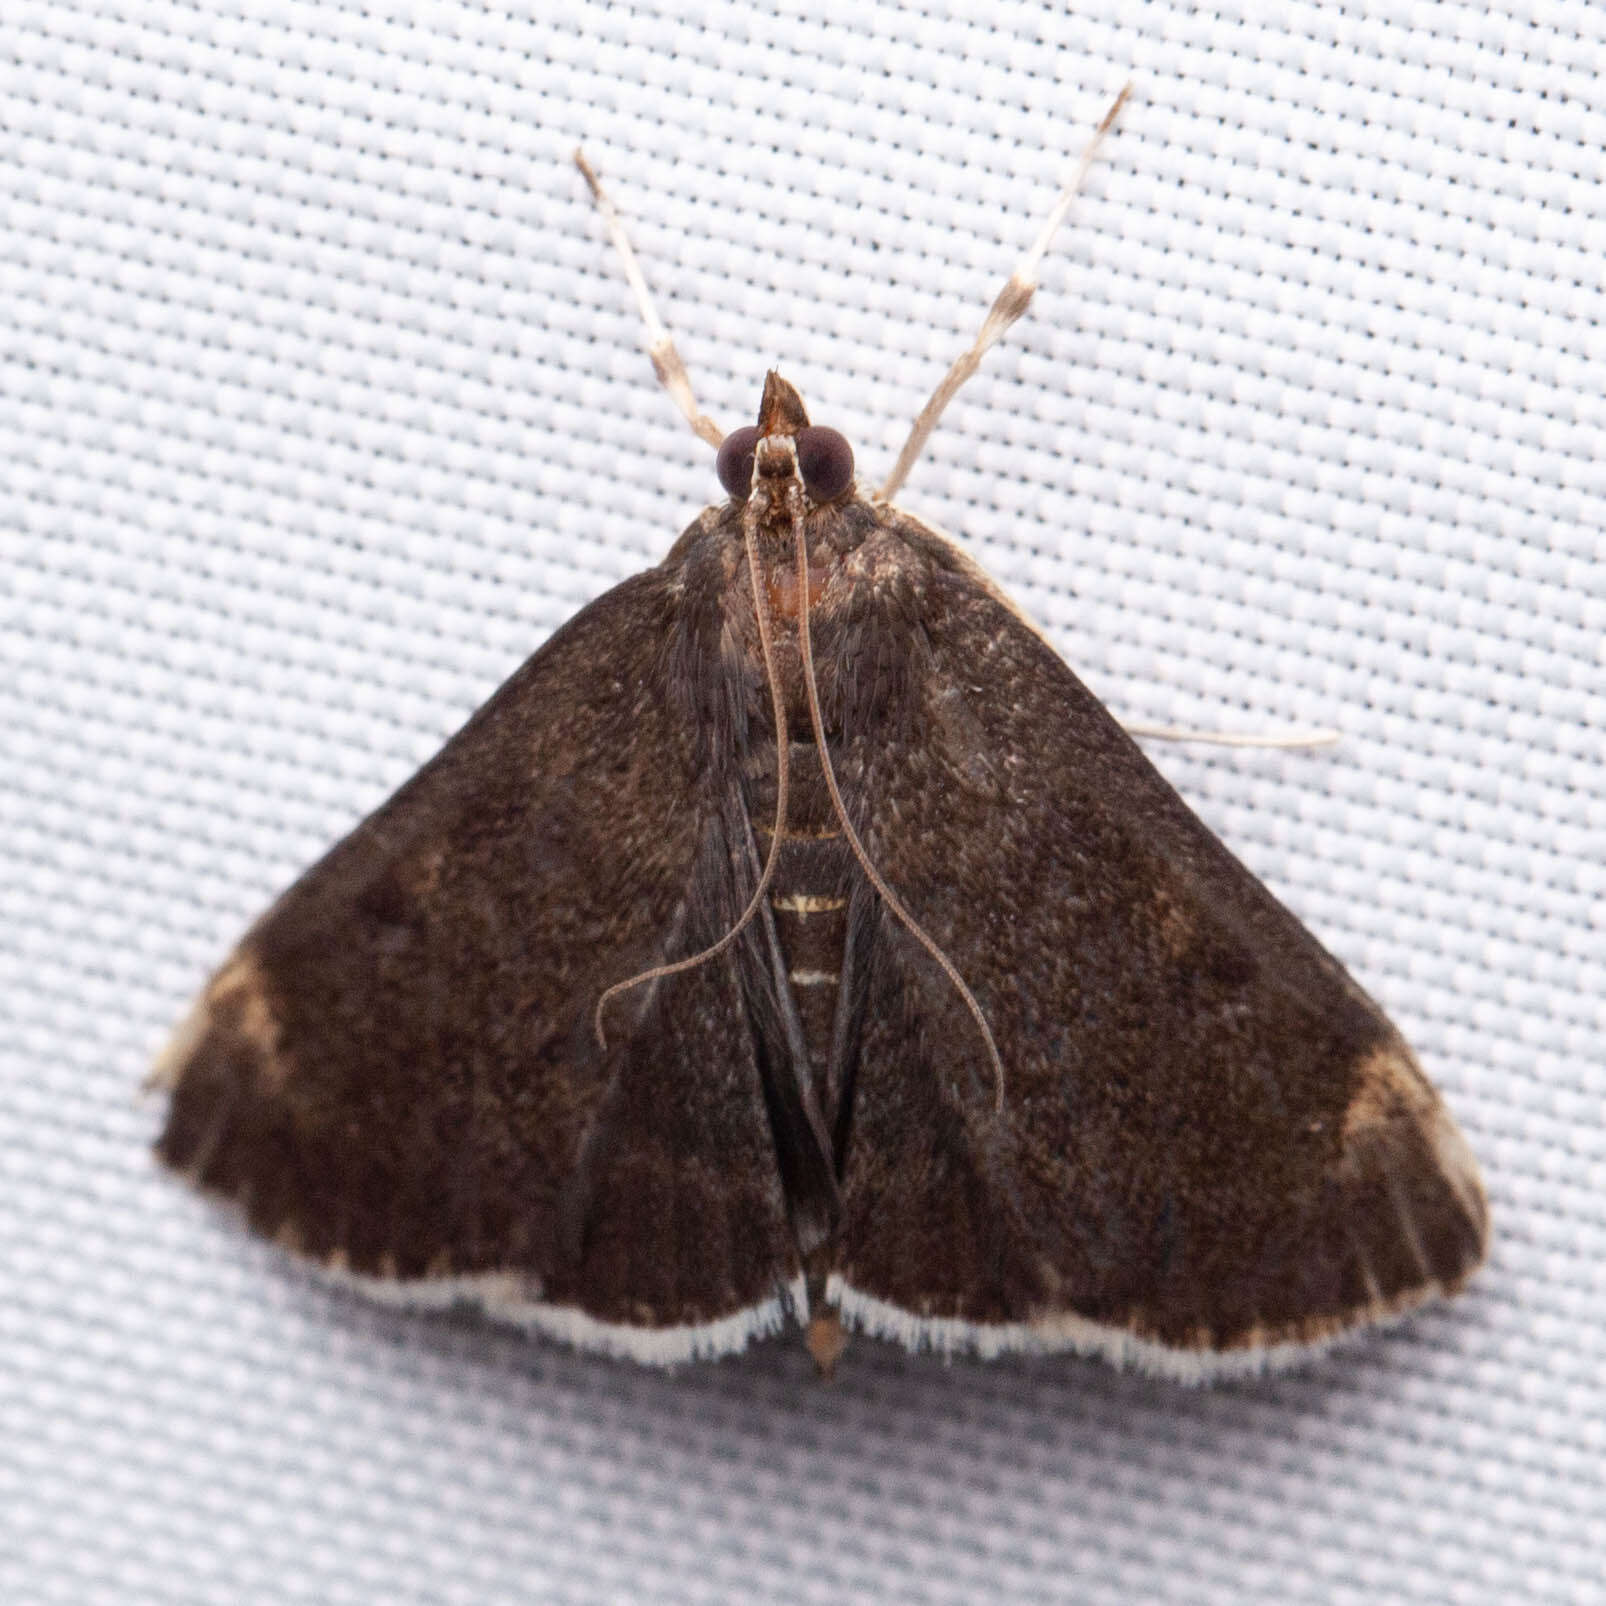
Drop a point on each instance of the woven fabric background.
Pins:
(322, 403)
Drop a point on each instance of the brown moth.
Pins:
(794, 936)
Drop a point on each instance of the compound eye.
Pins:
(734, 465)
(825, 460)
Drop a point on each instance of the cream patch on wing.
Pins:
(235, 999)
(1391, 1092)
(1390, 1087)
(1459, 1170)
(168, 1066)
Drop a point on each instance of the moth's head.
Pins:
(782, 438)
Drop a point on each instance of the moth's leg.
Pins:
(1316, 736)
(666, 361)
(1011, 302)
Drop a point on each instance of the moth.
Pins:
(794, 937)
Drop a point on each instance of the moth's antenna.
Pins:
(782, 767)
(666, 361)
(871, 874)
(1316, 736)
(1011, 302)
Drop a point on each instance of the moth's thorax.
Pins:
(833, 583)
(831, 533)
(786, 594)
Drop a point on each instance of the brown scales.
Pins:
(1008, 1052)
(1212, 1139)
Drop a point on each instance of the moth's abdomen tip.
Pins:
(825, 1341)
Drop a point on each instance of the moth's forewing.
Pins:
(397, 1072)
(1212, 1141)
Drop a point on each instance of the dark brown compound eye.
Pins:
(734, 465)
(825, 460)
